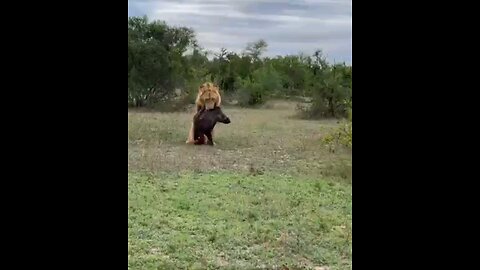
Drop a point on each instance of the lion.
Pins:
(208, 97)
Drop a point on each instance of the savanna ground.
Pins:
(268, 195)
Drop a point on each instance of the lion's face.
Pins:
(208, 95)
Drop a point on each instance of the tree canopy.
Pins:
(162, 58)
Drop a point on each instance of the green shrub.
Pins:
(256, 90)
(341, 136)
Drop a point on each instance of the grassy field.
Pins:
(268, 195)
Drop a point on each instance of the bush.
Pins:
(332, 94)
(342, 136)
(249, 94)
(265, 81)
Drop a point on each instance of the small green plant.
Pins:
(341, 136)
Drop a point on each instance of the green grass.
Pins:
(268, 194)
(192, 221)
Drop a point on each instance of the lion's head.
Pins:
(208, 96)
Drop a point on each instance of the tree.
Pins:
(162, 58)
(255, 49)
(332, 92)
(155, 59)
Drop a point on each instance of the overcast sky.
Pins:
(288, 26)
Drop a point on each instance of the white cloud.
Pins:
(287, 26)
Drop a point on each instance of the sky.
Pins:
(288, 26)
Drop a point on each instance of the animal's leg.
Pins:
(207, 140)
(212, 134)
(190, 139)
(210, 139)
